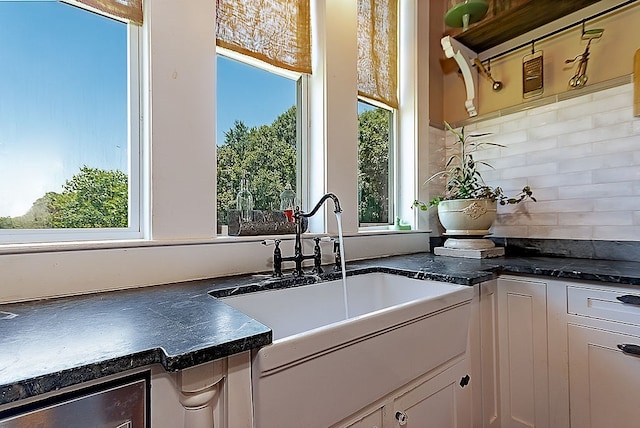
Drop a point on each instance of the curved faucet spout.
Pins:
(326, 196)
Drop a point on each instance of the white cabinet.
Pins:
(603, 380)
(215, 394)
(484, 358)
(441, 399)
(522, 344)
(440, 402)
(549, 354)
(369, 420)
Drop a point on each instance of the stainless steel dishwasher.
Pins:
(122, 403)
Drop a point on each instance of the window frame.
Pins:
(136, 225)
(301, 81)
(392, 176)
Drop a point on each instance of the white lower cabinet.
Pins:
(522, 339)
(370, 420)
(557, 348)
(442, 400)
(215, 394)
(483, 351)
(603, 381)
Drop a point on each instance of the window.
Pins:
(375, 165)
(69, 151)
(257, 136)
(377, 80)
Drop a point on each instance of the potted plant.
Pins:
(468, 205)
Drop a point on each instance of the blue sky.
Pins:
(50, 54)
(247, 93)
(51, 124)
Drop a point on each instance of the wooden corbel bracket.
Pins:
(465, 58)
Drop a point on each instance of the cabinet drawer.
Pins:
(603, 304)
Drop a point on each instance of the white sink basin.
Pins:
(291, 311)
(323, 366)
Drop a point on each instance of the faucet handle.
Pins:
(336, 244)
(337, 255)
(277, 255)
(268, 242)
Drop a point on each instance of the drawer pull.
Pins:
(630, 349)
(629, 299)
(402, 418)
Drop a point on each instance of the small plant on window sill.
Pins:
(463, 180)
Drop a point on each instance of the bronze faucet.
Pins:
(299, 256)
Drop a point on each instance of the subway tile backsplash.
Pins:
(581, 157)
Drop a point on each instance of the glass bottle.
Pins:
(244, 201)
(288, 201)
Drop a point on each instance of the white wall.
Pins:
(581, 157)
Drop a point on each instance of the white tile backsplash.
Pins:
(600, 190)
(597, 135)
(612, 117)
(594, 163)
(531, 170)
(581, 157)
(564, 128)
(617, 175)
(617, 233)
(620, 218)
(558, 206)
(619, 203)
(559, 180)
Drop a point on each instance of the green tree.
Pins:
(38, 216)
(284, 127)
(373, 166)
(266, 154)
(91, 198)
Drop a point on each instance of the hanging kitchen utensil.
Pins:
(532, 74)
(497, 85)
(579, 79)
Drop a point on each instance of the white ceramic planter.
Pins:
(467, 217)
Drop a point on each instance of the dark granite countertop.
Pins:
(50, 344)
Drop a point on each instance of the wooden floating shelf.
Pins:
(520, 18)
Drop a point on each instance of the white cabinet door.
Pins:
(602, 379)
(524, 382)
(372, 420)
(440, 402)
(488, 356)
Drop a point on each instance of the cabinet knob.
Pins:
(630, 349)
(402, 418)
(465, 381)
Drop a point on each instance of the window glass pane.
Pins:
(64, 117)
(374, 165)
(257, 137)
